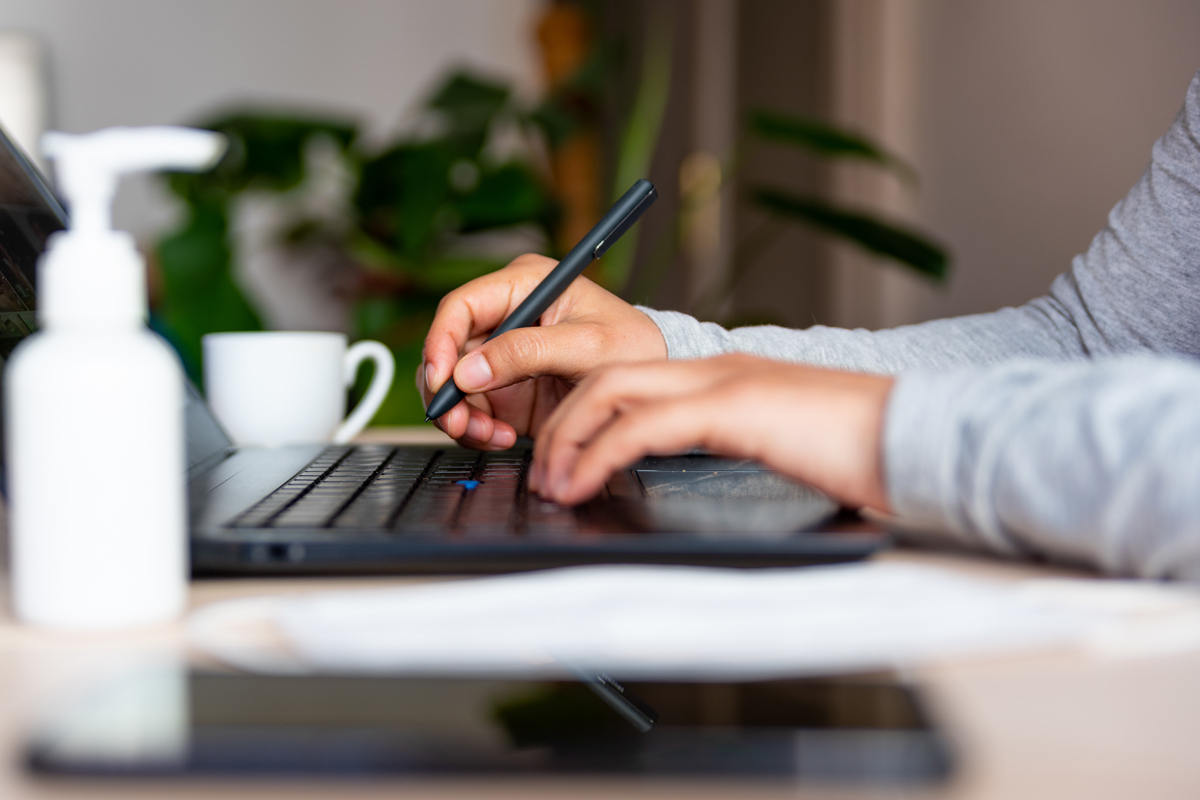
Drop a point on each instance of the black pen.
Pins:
(619, 219)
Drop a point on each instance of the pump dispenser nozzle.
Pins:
(89, 165)
(92, 274)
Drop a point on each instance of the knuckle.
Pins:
(602, 378)
(629, 436)
(609, 378)
(534, 261)
(525, 353)
(595, 345)
(451, 297)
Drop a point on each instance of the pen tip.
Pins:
(427, 418)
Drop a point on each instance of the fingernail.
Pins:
(560, 487)
(476, 429)
(430, 374)
(503, 438)
(473, 373)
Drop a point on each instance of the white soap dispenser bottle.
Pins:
(94, 408)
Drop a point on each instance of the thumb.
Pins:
(563, 350)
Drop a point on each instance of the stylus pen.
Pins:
(619, 219)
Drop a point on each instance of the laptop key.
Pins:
(375, 506)
(425, 492)
(330, 491)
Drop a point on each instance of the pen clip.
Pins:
(625, 224)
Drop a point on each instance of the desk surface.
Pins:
(1067, 723)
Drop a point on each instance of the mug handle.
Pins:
(385, 370)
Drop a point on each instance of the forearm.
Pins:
(1084, 462)
(1041, 329)
(1134, 290)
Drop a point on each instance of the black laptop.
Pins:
(376, 508)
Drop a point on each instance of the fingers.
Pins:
(485, 433)
(602, 396)
(474, 427)
(474, 309)
(566, 350)
(655, 428)
(470, 422)
(517, 379)
(823, 427)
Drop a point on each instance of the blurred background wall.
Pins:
(1033, 117)
(1025, 119)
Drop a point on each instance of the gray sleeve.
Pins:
(1094, 462)
(1136, 289)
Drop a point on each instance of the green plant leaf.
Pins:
(506, 195)
(266, 151)
(441, 276)
(370, 252)
(408, 214)
(557, 119)
(469, 102)
(883, 238)
(400, 193)
(825, 140)
(395, 320)
(200, 295)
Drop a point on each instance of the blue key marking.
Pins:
(468, 484)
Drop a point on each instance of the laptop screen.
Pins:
(29, 213)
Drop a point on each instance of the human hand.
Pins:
(820, 426)
(515, 381)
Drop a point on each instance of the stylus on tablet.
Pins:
(620, 218)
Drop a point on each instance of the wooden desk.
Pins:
(1056, 725)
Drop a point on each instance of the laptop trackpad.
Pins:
(731, 500)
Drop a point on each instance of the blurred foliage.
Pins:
(885, 239)
(900, 243)
(824, 140)
(907, 247)
(411, 204)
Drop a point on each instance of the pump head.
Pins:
(91, 275)
(89, 165)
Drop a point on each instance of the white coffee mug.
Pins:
(277, 388)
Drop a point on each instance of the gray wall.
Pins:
(1035, 117)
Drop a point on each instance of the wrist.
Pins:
(868, 429)
(651, 343)
(843, 451)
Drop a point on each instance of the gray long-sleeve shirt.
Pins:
(992, 440)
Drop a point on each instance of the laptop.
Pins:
(370, 508)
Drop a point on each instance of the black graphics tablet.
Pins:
(168, 723)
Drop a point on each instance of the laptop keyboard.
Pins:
(411, 489)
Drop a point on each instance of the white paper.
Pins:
(647, 621)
